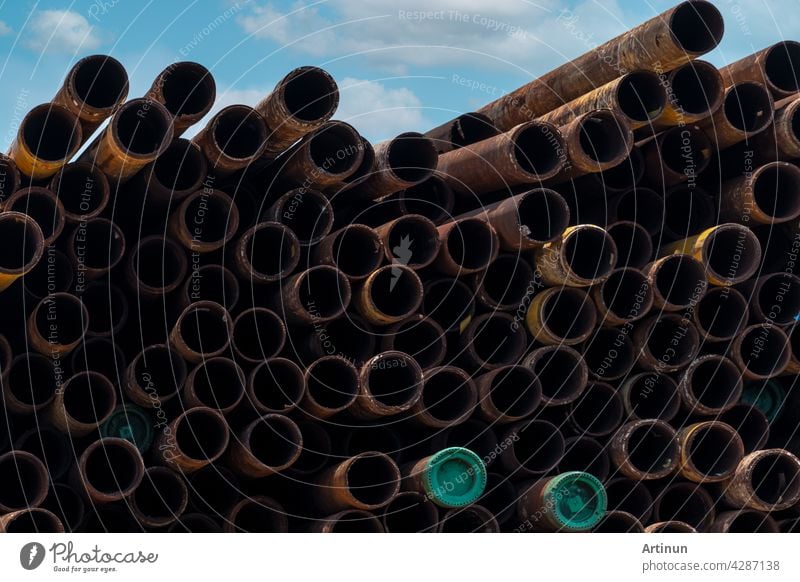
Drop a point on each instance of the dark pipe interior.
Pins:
(588, 455)
(349, 336)
(111, 468)
(107, 306)
(103, 243)
(468, 520)
(89, 397)
(652, 448)
(408, 513)
(672, 341)
(161, 494)
(311, 95)
(204, 328)
(159, 263)
(506, 281)
(654, 395)
(49, 446)
(219, 383)
(619, 522)
(257, 517)
(141, 128)
(357, 251)
(211, 217)
(64, 312)
(602, 139)
(165, 370)
(688, 211)
(471, 128)
(42, 208)
(590, 253)
(335, 148)
(412, 157)
(100, 82)
(258, 334)
(188, 89)
(34, 521)
(782, 291)
(515, 391)
(714, 451)
(372, 479)
(448, 302)
(539, 447)
(395, 291)
(32, 379)
(775, 477)
(423, 340)
(420, 236)
(750, 423)
(543, 215)
(697, 26)
(561, 373)
(569, 314)
(431, 198)
(49, 133)
(181, 167)
(471, 244)
(213, 283)
(82, 189)
(722, 312)
(25, 481)
(683, 154)
(750, 522)
(537, 150)
(696, 87)
(598, 411)
(324, 292)
(278, 384)
(201, 434)
(496, 342)
(642, 205)
(641, 96)
(99, 354)
(764, 350)
(624, 293)
(609, 353)
(630, 496)
(239, 132)
(777, 191)
(316, 451)
(448, 395)
(634, 246)
(748, 107)
(733, 252)
(782, 66)
(680, 280)
(332, 383)
(308, 215)
(357, 522)
(394, 380)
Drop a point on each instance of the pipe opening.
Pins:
(159, 263)
(598, 411)
(332, 383)
(422, 339)
(102, 246)
(395, 290)
(680, 280)
(111, 467)
(775, 478)
(35, 521)
(258, 334)
(324, 292)
(685, 151)
(21, 243)
(619, 522)
(543, 215)
(412, 157)
(641, 96)
(239, 132)
(217, 218)
(687, 503)
(697, 87)
(42, 207)
(590, 253)
(257, 516)
(448, 395)
(722, 312)
(309, 215)
(748, 107)
(335, 148)
(311, 95)
(357, 251)
(515, 391)
(212, 283)
(160, 370)
(316, 451)
(372, 479)
(782, 290)
(750, 423)
(277, 385)
(630, 496)
(107, 307)
(562, 373)
(494, 342)
(609, 353)
(471, 128)
(641, 205)
(432, 198)
(652, 448)
(633, 242)
(764, 350)
(471, 244)
(204, 328)
(673, 341)
(161, 494)
(652, 395)
(100, 81)
(26, 480)
(587, 455)
(201, 434)
(393, 380)
(99, 354)
(697, 26)
(181, 167)
(506, 282)
(714, 450)
(356, 522)
(626, 294)
(50, 133)
(409, 513)
(89, 397)
(218, 383)
(351, 337)
(141, 127)
(602, 139)
(539, 447)
(64, 312)
(569, 314)
(782, 66)
(750, 522)
(418, 235)
(474, 519)
(538, 150)
(83, 190)
(448, 302)
(188, 89)
(49, 446)
(274, 441)
(688, 211)
(776, 190)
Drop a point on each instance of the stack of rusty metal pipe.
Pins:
(572, 310)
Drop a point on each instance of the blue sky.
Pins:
(402, 65)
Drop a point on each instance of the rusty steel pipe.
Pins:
(491, 340)
(666, 41)
(28, 487)
(356, 250)
(777, 66)
(641, 205)
(156, 267)
(48, 136)
(48, 445)
(9, 177)
(178, 172)
(83, 190)
(216, 383)
(32, 520)
(746, 110)
(23, 245)
(210, 283)
(468, 245)
(609, 354)
(744, 521)
(449, 302)
(637, 97)
(695, 90)
(597, 412)
(308, 213)
(154, 376)
(389, 383)
(530, 153)
(780, 142)
(400, 163)
(418, 336)
(93, 90)
(54, 274)
(317, 449)
(203, 330)
(633, 242)
(194, 439)
(678, 282)
(449, 397)
(276, 385)
(562, 372)
(367, 481)
(765, 480)
(57, 324)
(314, 296)
(508, 394)
(266, 253)
(82, 404)
(770, 194)
(624, 297)
(688, 210)
(95, 247)
(205, 221)
(411, 240)
(650, 395)
(676, 155)
(505, 285)
(257, 514)
(645, 449)
(761, 351)
(615, 180)
(561, 316)
(462, 131)
(389, 295)
(536, 447)
(667, 342)
(432, 198)
(710, 451)
(332, 385)
(30, 382)
(585, 255)
(258, 335)
(43, 206)
(160, 498)
(409, 512)
(187, 90)
(109, 470)
(773, 298)
(233, 139)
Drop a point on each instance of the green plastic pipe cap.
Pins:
(131, 423)
(578, 500)
(767, 396)
(454, 477)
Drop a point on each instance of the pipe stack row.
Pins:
(571, 310)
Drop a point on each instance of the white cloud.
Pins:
(475, 32)
(4, 28)
(60, 31)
